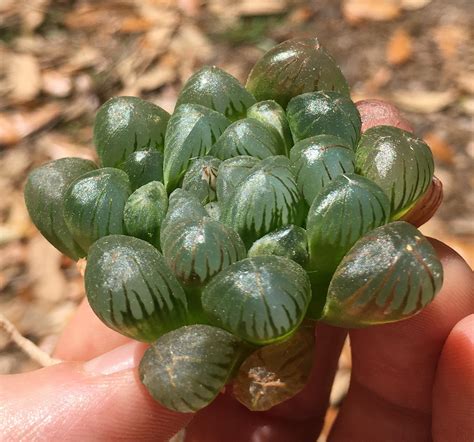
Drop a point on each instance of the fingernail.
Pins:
(121, 358)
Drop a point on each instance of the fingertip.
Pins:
(453, 392)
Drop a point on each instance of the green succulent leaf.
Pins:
(132, 290)
(230, 174)
(292, 68)
(216, 89)
(197, 250)
(126, 124)
(265, 201)
(94, 205)
(144, 212)
(192, 130)
(44, 198)
(289, 241)
(400, 163)
(271, 113)
(143, 167)
(186, 369)
(182, 206)
(318, 160)
(329, 113)
(261, 299)
(201, 177)
(346, 209)
(390, 274)
(248, 137)
(275, 373)
(213, 210)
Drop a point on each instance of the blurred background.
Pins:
(60, 59)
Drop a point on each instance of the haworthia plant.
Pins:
(187, 368)
(201, 178)
(94, 205)
(400, 163)
(266, 200)
(318, 160)
(271, 113)
(192, 131)
(126, 124)
(329, 113)
(130, 287)
(406, 277)
(292, 68)
(261, 299)
(216, 89)
(44, 196)
(248, 137)
(143, 166)
(144, 212)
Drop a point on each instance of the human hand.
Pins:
(411, 381)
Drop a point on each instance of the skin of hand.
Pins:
(411, 381)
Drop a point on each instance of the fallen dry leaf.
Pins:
(465, 81)
(400, 47)
(355, 11)
(155, 77)
(56, 84)
(449, 39)
(33, 14)
(412, 5)
(424, 102)
(441, 149)
(23, 77)
(14, 126)
(261, 7)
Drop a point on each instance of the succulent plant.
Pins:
(221, 233)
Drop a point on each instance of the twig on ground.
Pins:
(27, 346)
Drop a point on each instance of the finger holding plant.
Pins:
(220, 233)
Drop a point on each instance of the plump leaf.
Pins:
(248, 137)
(231, 172)
(265, 201)
(289, 241)
(126, 124)
(44, 197)
(143, 167)
(400, 163)
(201, 177)
(346, 209)
(144, 212)
(182, 206)
(192, 130)
(261, 299)
(186, 369)
(275, 373)
(390, 274)
(271, 113)
(292, 68)
(318, 160)
(329, 113)
(216, 89)
(198, 249)
(94, 204)
(132, 290)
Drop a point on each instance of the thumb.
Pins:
(102, 399)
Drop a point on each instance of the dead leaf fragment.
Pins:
(400, 47)
(449, 39)
(56, 84)
(17, 125)
(23, 77)
(441, 149)
(424, 102)
(412, 5)
(355, 11)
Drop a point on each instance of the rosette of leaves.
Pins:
(218, 240)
